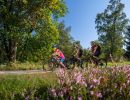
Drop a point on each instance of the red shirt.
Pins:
(60, 54)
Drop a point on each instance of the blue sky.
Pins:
(81, 18)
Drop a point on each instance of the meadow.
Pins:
(110, 83)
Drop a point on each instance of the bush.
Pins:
(93, 84)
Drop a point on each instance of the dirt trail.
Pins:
(24, 72)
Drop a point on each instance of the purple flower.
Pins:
(61, 81)
(95, 80)
(92, 92)
(27, 97)
(124, 85)
(83, 83)
(61, 94)
(78, 78)
(128, 81)
(79, 98)
(36, 98)
(53, 92)
(99, 95)
(70, 98)
(64, 89)
(115, 85)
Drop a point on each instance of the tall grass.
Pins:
(21, 87)
(22, 66)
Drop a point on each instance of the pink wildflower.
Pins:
(128, 81)
(99, 95)
(124, 85)
(70, 98)
(79, 98)
(53, 92)
(78, 78)
(95, 80)
(92, 92)
(61, 94)
(27, 97)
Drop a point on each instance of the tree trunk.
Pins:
(12, 50)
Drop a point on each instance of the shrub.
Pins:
(94, 83)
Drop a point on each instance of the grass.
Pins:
(22, 66)
(17, 87)
(20, 87)
(123, 63)
(39, 65)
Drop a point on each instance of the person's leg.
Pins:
(78, 62)
(96, 59)
(73, 62)
(81, 63)
(61, 62)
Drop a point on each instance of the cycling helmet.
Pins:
(55, 46)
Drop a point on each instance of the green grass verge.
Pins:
(125, 63)
(22, 66)
(18, 87)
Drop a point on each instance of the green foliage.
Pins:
(65, 40)
(110, 26)
(127, 42)
(19, 18)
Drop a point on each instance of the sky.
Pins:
(81, 18)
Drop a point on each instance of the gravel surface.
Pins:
(24, 72)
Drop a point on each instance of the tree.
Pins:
(110, 26)
(18, 17)
(65, 40)
(127, 42)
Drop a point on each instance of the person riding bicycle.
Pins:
(58, 55)
(96, 51)
(78, 54)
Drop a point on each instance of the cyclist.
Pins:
(96, 51)
(78, 52)
(58, 55)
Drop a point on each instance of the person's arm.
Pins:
(75, 53)
(55, 54)
(92, 50)
(95, 49)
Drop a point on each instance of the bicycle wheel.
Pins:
(52, 64)
(70, 63)
(102, 62)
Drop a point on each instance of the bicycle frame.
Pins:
(99, 61)
(53, 63)
(75, 61)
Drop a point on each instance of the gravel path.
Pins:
(24, 72)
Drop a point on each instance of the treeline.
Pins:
(29, 28)
(113, 31)
(19, 18)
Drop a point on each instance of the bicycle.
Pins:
(74, 61)
(54, 63)
(93, 61)
(100, 61)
